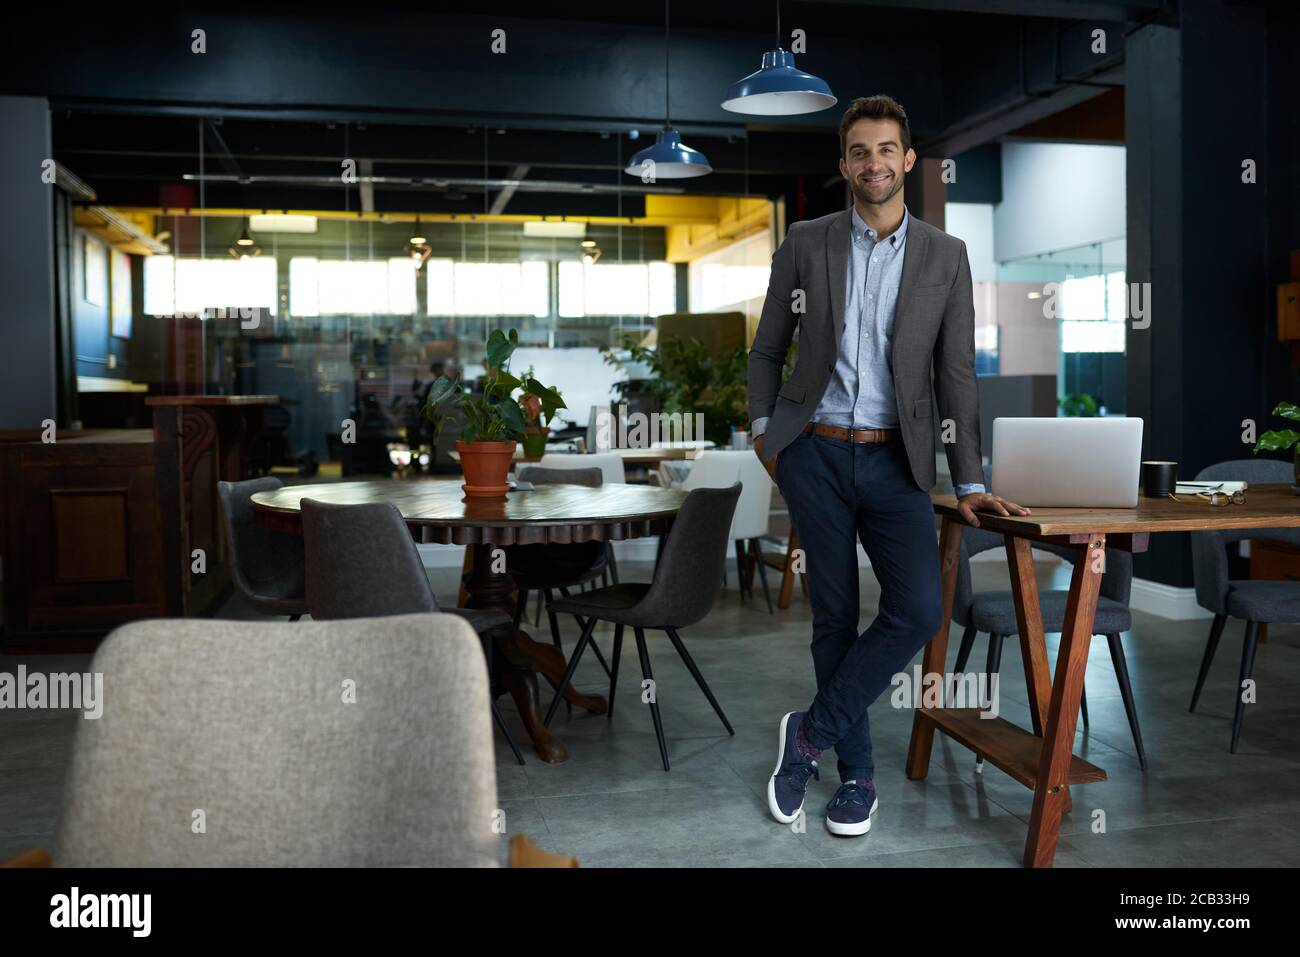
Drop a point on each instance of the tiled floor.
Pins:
(612, 805)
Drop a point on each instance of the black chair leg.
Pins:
(963, 655)
(1126, 692)
(496, 716)
(595, 648)
(964, 649)
(537, 612)
(521, 604)
(1247, 667)
(646, 673)
(568, 672)
(555, 636)
(699, 678)
(611, 562)
(294, 617)
(1083, 705)
(740, 566)
(613, 674)
(992, 666)
(555, 622)
(1211, 646)
(762, 572)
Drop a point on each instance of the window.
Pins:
(1094, 310)
(193, 286)
(336, 287)
(617, 289)
(488, 289)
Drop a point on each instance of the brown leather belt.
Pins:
(858, 436)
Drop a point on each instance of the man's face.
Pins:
(874, 161)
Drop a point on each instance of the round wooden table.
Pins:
(438, 511)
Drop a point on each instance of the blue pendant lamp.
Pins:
(669, 157)
(779, 88)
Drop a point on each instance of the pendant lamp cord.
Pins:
(778, 24)
(667, 75)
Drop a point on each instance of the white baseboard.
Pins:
(1167, 601)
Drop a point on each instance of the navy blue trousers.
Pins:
(840, 493)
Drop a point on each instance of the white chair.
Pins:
(610, 464)
(612, 473)
(719, 469)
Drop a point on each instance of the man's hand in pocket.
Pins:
(770, 466)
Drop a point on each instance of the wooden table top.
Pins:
(1266, 506)
(438, 510)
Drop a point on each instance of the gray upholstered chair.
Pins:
(686, 583)
(356, 743)
(1252, 601)
(363, 563)
(266, 565)
(547, 568)
(994, 613)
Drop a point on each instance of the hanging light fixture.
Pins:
(418, 238)
(669, 157)
(244, 247)
(779, 88)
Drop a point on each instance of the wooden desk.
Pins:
(1042, 759)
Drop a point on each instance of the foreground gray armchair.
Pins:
(321, 744)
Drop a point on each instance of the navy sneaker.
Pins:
(789, 780)
(849, 811)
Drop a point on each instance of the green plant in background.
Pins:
(1078, 405)
(492, 415)
(1283, 438)
(687, 378)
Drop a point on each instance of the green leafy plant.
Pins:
(493, 415)
(1282, 438)
(687, 378)
(1078, 404)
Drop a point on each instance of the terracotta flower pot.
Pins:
(535, 440)
(485, 466)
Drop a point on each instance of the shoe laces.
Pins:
(850, 793)
(800, 772)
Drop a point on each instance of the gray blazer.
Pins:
(934, 339)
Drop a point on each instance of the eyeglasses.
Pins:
(1219, 499)
(1223, 498)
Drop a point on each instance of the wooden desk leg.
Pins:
(788, 573)
(1063, 714)
(936, 652)
(1033, 644)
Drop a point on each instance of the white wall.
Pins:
(1058, 195)
(972, 223)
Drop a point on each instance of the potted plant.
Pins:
(537, 419)
(1284, 439)
(494, 420)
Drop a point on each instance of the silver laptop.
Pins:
(1083, 463)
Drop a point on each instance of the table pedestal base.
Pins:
(517, 659)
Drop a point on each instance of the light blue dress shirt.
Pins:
(860, 394)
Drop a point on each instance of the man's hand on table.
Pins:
(758, 450)
(968, 505)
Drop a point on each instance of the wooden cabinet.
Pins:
(82, 545)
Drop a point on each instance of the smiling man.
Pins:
(884, 307)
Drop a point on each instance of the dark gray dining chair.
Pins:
(547, 568)
(686, 583)
(994, 613)
(266, 565)
(363, 563)
(1255, 602)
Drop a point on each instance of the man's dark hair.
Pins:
(878, 107)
